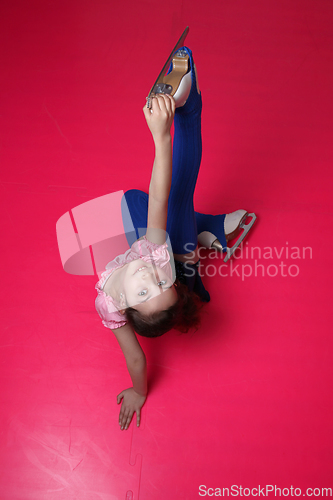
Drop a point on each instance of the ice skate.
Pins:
(234, 223)
(178, 82)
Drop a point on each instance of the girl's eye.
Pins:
(145, 291)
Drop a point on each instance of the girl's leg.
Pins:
(187, 150)
(213, 224)
(186, 159)
(134, 209)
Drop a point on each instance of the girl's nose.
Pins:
(146, 275)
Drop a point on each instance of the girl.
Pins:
(138, 292)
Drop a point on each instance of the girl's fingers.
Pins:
(153, 104)
(170, 104)
(173, 105)
(124, 419)
(165, 98)
(121, 415)
(146, 111)
(161, 102)
(128, 421)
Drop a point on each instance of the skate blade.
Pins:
(246, 228)
(159, 79)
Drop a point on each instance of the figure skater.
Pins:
(138, 292)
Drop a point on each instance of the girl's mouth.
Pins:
(140, 269)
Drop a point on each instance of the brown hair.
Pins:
(182, 315)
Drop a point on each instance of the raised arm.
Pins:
(159, 120)
(134, 397)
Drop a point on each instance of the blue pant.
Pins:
(183, 223)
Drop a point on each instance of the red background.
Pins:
(247, 399)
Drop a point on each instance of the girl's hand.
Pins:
(132, 402)
(160, 117)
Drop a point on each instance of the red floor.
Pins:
(247, 399)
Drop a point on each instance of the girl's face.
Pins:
(145, 281)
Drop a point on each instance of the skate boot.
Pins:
(177, 82)
(234, 223)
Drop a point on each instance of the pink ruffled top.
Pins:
(106, 306)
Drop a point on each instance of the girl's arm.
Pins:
(159, 120)
(134, 397)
